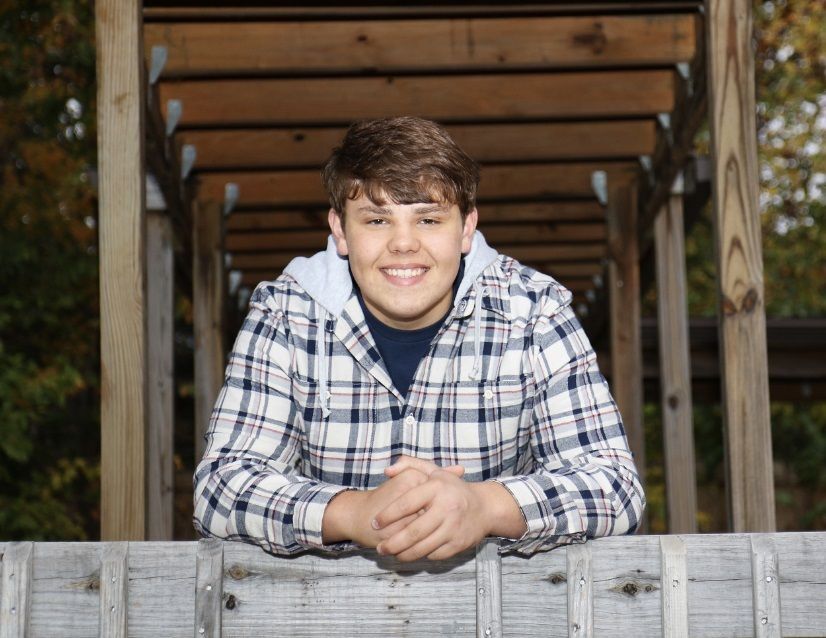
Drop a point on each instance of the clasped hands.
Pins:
(423, 511)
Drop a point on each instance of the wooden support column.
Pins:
(742, 320)
(122, 227)
(160, 305)
(208, 293)
(675, 368)
(626, 333)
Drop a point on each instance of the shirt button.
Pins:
(488, 394)
(410, 420)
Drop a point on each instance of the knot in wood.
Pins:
(750, 300)
(299, 137)
(630, 589)
(231, 602)
(557, 579)
(236, 572)
(673, 401)
(595, 39)
(362, 37)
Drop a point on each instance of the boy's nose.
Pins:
(403, 240)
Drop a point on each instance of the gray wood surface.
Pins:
(367, 595)
(765, 575)
(209, 571)
(488, 590)
(674, 587)
(580, 592)
(114, 596)
(15, 590)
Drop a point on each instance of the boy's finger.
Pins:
(407, 504)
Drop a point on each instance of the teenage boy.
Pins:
(410, 389)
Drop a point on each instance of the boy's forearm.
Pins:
(503, 513)
(337, 524)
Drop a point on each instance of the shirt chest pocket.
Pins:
(482, 425)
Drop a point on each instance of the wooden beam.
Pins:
(528, 181)
(396, 45)
(122, 229)
(160, 306)
(742, 320)
(490, 213)
(626, 344)
(549, 233)
(208, 297)
(294, 147)
(675, 379)
(263, 102)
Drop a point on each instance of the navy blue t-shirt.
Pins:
(402, 350)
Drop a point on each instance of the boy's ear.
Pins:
(337, 228)
(468, 228)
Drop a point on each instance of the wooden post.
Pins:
(675, 368)
(160, 302)
(122, 227)
(626, 332)
(742, 320)
(208, 292)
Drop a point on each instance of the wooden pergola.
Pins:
(583, 115)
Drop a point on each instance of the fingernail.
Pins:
(374, 524)
(379, 550)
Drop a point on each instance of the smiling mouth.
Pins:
(405, 273)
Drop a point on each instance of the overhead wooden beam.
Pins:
(675, 366)
(227, 149)
(122, 232)
(549, 233)
(396, 45)
(284, 188)
(625, 304)
(489, 213)
(742, 319)
(264, 102)
(565, 253)
(208, 299)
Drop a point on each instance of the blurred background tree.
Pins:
(49, 332)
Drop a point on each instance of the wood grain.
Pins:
(121, 231)
(488, 590)
(580, 592)
(675, 369)
(737, 230)
(765, 575)
(160, 309)
(209, 588)
(16, 589)
(674, 587)
(114, 588)
(279, 102)
(293, 147)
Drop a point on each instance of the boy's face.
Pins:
(404, 257)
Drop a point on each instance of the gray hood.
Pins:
(326, 275)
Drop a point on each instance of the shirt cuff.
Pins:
(551, 515)
(308, 516)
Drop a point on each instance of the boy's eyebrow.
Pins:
(426, 209)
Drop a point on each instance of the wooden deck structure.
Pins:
(764, 585)
(582, 114)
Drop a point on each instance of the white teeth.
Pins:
(406, 273)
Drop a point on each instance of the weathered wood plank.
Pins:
(208, 298)
(209, 572)
(16, 589)
(580, 592)
(222, 149)
(292, 187)
(624, 308)
(765, 575)
(675, 369)
(121, 186)
(488, 590)
(737, 229)
(114, 597)
(674, 587)
(541, 95)
(454, 44)
(160, 309)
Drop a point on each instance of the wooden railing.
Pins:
(695, 585)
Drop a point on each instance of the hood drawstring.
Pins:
(323, 360)
(476, 372)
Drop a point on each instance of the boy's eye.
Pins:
(429, 221)
(376, 221)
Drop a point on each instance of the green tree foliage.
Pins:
(48, 272)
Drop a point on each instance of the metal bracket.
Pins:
(159, 56)
(174, 110)
(231, 193)
(599, 183)
(684, 69)
(188, 155)
(678, 186)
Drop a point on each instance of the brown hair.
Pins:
(407, 159)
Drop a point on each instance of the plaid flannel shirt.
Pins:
(509, 389)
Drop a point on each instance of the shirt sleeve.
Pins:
(582, 482)
(248, 486)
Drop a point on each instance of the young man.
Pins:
(410, 389)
